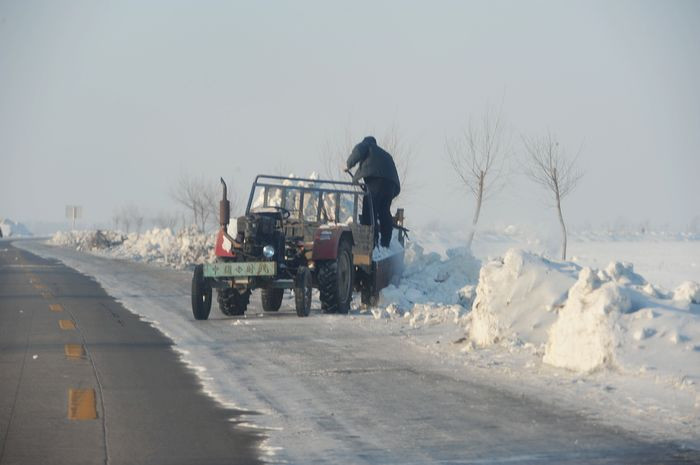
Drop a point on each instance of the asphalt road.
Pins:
(84, 381)
(343, 389)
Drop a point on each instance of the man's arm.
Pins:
(358, 155)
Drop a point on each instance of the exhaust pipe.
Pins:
(224, 207)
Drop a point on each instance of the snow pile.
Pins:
(614, 318)
(585, 335)
(380, 253)
(688, 292)
(88, 241)
(586, 320)
(160, 246)
(429, 283)
(517, 298)
(13, 229)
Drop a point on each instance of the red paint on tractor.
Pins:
(219, 250)
(326, 242)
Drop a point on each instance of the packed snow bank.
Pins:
(586, 333)
(563, 315)
(87, 241)
(161, 246)
(688, 293)
(429, 280)
(517, 298)
(11, 228)
(613, 318)
(583, 319)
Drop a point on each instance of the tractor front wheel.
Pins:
(232, 302)
(271, 299)
(302, 291)
(201, 294)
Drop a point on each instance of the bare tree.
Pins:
(137, 216)
(126, 219)
(549, 167)
(479, 158)
(334, 154)
(166, 220)
(116, 219)
(201, 197)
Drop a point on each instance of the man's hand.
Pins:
(347, 170)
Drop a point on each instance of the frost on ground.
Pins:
(160, 246)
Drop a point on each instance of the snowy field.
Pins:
(613, 334)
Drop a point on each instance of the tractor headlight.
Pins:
(269, 251)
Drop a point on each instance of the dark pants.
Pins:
(382, 192)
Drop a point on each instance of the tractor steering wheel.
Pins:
(283, 211)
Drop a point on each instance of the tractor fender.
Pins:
(223, 246)
(326, 242)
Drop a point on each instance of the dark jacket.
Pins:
(374, 162)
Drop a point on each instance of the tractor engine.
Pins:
(260, 235)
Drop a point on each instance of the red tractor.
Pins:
(297, 234)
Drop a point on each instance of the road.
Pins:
(339, 389)
(84, 381)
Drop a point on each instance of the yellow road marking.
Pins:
(56, 308)
(81, 404)
(74, 351)
(66, 324)
(39, 286)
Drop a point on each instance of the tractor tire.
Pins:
(201, 295)
(335, 280)
(231, 302)
(271, 299)
(302, 292)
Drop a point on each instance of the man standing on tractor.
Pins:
(378, 171)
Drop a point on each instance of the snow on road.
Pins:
(406, 380)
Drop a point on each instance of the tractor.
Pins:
(298, 234)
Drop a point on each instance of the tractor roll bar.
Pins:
(352, 188)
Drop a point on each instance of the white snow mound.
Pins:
(160, 246)
(13, 229)
(430, 281)
(584, 338)
(688, 292)
(517, 297)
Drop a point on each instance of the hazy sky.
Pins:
(106, 103)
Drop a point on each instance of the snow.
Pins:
(688, 293)
(430, 281)
(13, 229)
(159, 246)
(605, 323)
(516, 298)
(380, 253)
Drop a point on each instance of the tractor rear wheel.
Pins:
(271, 299)
(232, 302)
(201, 294)
(335, 280)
